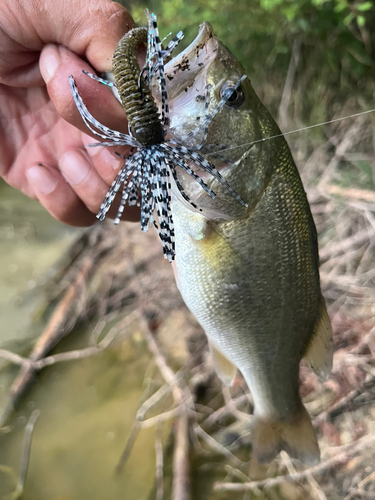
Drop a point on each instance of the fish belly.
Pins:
(253, 285)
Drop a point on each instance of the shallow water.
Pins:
(30, 243)
(87, 410)
(86, 407)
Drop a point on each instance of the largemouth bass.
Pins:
(238, 222)
(249, 274)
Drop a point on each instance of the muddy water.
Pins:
(86, 407)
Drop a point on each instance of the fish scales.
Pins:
(250, 275)
(231, 297)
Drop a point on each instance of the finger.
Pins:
(55, 194)
(107, 165)
(56, 64)
(79, 172)
(104, 159)
(91, 29)
(83, 179)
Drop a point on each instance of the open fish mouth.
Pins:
(183, 69)
(187, 88)
(195, 79)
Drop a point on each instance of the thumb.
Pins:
(90, 28)
(95, 30)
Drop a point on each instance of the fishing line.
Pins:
(297, 130)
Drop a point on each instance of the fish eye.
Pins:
(234, 97)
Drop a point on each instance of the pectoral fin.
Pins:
(319, 352)
(224, 368)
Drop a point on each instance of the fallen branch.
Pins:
(357, 489)
(25, 457)
(60, 323)
(288, 87)
(353, 193)
(344, 403)
(340, 457)
(315, 488)
(128, 447)
(26, 447)
(160, 360)
(159, 459)
(214, 417)
(356, 240)
(16, 359)
(216, 446)
(181, 464)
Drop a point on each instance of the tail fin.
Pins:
(297, 437)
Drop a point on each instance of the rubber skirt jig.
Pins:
(145, 177)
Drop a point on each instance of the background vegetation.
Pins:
(335, 41)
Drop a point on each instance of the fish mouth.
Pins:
(191, 79)
(205, 33)
(182, 70)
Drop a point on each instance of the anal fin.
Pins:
(319, 352)
(224, 368)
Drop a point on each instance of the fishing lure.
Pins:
(146, 175)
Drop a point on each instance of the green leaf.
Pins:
(340, 6)
(365, 6)
(349, 18)
(361, 21)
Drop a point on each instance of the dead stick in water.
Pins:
(159, 458)
(128, 447)
(181, 464)
(57, 327)
(160, 359)
(342, 456)
(26, 447)
(73, 355)
(182, 399)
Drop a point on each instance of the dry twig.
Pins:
(159, 477)
(181, 464)
(288, 87)
(344, 402)
(60, 323)
(26, 447)
(357, 489)
(342, 456)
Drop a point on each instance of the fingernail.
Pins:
(104, 155)
(86, 140)
(107, 157)
(49, 62)
(42, 179)
(74, 167)
(91, 150)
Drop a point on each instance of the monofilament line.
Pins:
(296, 130)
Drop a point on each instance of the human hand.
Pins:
(42, 135)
